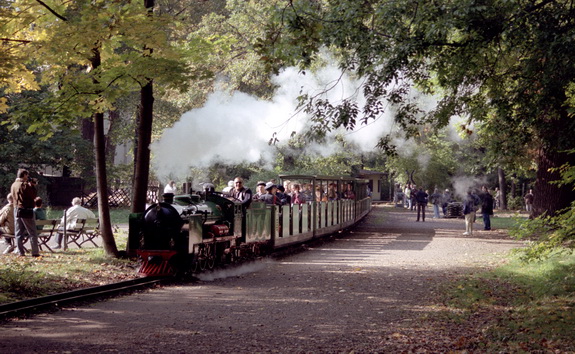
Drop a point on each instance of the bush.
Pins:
(515, 203)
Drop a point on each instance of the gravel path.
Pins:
(349, 294)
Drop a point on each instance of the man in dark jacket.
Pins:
(486, 208)
(241, 193)
(24, 193)
(421, 200)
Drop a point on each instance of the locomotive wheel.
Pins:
(211, 256)
(202, 257)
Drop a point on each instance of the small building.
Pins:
(378, 184)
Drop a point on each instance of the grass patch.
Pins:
(519, 306)
(26, 277)
(504, 222)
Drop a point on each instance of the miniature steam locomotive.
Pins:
(194, 232)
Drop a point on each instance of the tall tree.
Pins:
(91, 54)
(143, 133)
(505, 63)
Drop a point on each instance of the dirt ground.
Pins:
(365, 290)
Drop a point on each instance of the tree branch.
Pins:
(14, 40)
(52, 11)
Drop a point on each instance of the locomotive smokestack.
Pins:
(168, 198)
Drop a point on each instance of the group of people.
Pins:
(18, 217)
(414, 198)
(286, 193)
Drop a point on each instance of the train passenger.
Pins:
(241, 193)
(229, 188)
(349, 193)
(260, 190)
(77, 211)
(284, 197)
(320, 196)
(271, 196)
(307, 192)
(296, 196)
(332, 193)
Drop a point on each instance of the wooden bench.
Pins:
(49, 228)
(44, 234)
(86, 231)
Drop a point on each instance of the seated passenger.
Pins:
(71, 218)
(349, 194)
(320, 196)
(284, 197)
(228, 189)
(332, 193)
(296, 196)
(270, 197)
(241, 193)
(260, 190)
(307, 192)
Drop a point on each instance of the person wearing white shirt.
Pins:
(170, 187)
(72, 215)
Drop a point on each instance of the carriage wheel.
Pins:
(256, 249)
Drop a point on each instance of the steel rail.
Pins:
(32, 305)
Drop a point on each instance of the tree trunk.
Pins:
(108, 240)
(144, 137)
(502, 189)
(550, 198)
(101, 176)
(114, 118)
(142, 167)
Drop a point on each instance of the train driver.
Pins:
(241, 193)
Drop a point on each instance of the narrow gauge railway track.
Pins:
(30, 306)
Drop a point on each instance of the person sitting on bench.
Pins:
(72, 215)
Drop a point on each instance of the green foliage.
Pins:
(515, 202)
(506, 64)
(23, 149)
(551, 234)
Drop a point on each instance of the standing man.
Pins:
(469, 209)
(486, 208)
(24, 192)
(435, 199)
(421, 200)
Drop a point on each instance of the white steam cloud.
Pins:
(236, 127)
(246, 268)
(462, 184)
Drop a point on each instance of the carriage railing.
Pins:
(286, 222)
